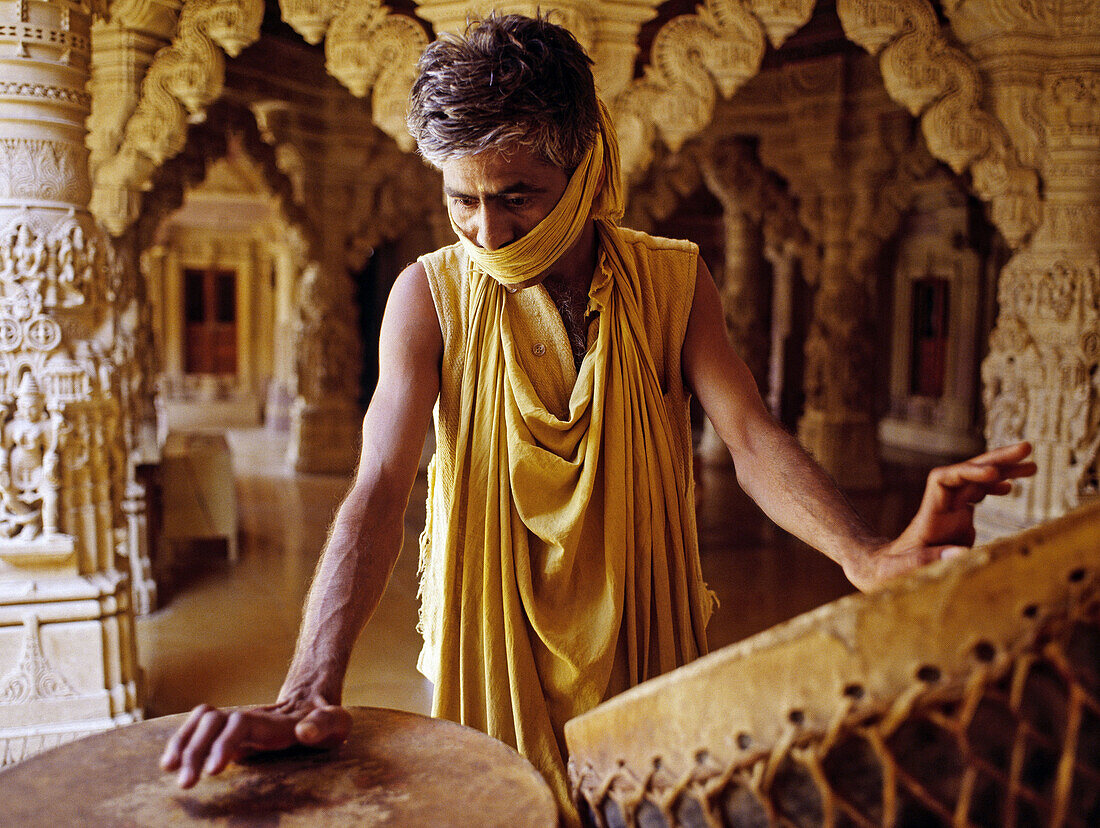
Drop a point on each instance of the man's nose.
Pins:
(493, 231)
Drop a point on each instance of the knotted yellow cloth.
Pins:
(560, 562)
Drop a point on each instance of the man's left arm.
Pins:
(798, 495)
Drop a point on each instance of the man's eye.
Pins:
(464, 201)
(516, 202)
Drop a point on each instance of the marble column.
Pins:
(68, 665)
(1041, 378)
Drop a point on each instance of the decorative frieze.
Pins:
(33, 678)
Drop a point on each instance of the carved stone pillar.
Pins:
(280, 392)
(67, 655)
(1041, 378)
(325, 419)
(1041, 381)
(838, 425)
(782, 254)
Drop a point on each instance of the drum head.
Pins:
(395, 769)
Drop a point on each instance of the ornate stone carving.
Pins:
(668, 180)
(33, 677)
(720, 45)
(183, 79)
(44, 266)
(43, 169)
(62, 463)
(1052, 19)
(45, 91)
(607, 29)
(368, 48)
(941, 83)
(310, 18)
(1039, 381)
(781, 18)
(30, 439)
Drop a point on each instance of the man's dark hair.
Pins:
(511, 81)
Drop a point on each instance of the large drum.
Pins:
(396, 769)
(967, 694)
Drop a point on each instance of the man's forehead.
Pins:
(518, 171)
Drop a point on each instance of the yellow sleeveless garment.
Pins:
(559, 564)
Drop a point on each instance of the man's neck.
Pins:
(575, 267)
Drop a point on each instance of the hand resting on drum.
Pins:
(944, 524)
(210, 738)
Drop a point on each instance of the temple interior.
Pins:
(204, 204)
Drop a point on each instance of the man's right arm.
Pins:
(358, 559)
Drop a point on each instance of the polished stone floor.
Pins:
(224, 634)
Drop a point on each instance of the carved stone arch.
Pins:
(941, 84)
(368, 48)
(658, 191)
(182, 81)
(207, 141)
(406, 191)
(227, 126)
(722, 45)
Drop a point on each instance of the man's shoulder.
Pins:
(442, 256)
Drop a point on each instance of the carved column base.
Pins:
(67, 667)
(324, 437)
(712, 451)
(136, 544)
(846, 446)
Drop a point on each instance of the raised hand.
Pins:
(944, 523)
(210, 738)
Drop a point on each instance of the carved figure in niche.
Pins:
(29, 464)
(7, 259)
(71, 256)
(29, 254)
(1005, 399)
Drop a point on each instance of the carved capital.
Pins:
(939, 82)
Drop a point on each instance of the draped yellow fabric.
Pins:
(560, 563)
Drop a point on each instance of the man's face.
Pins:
(496, 198)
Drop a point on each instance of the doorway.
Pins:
(210, 321)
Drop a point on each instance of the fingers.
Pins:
(170, 759)
(1013, 453)
(210, 739)
(195, 752)
(228, 747)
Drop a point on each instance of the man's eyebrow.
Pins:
(519, 188)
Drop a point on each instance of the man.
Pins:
(560, 563)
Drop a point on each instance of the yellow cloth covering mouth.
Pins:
(594, 192)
